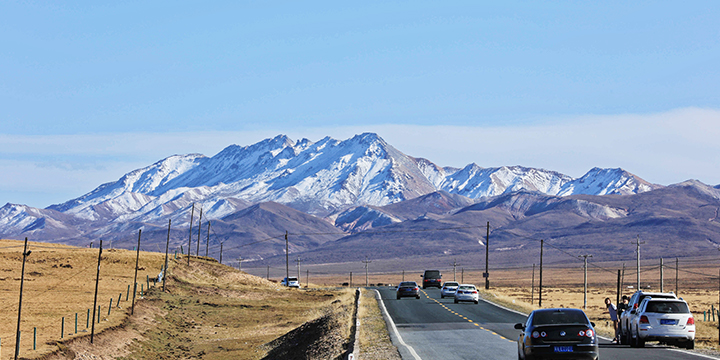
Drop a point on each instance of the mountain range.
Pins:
(333, 192)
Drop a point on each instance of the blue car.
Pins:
(408, 289)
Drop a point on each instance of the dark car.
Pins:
(408, 289)
(558, 334)
(432, 278)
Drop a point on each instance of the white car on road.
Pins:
(467, 292)
(448, 289)
(290, 282)
(665, 320)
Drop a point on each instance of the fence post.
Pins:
(76, 323)
(98, 314)
(35, 338)
(87, 325)
(110, 307)
(62, 328)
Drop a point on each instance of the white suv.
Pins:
(630, 314)
(290, 282)
(665, 320)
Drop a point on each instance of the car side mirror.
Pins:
(592, 323)
(520, 326)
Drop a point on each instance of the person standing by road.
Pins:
(621, 308)
(612, 310)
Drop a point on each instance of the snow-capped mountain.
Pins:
(320, 178)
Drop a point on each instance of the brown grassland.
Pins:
(210, 310)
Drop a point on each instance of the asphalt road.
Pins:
(434, 328)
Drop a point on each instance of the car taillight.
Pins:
(589, 333)
(691, 321)
(644, 320)
(535, 334)
(581, 333)
(416, 289)
(474, 292)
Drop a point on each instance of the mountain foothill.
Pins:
(343, 200)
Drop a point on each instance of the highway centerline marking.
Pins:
(464, 317)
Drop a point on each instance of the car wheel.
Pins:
(456, 301)
(640, 342)
(690, 345)
(442, 296)
(417, 297)
(475, 301)
(398, 297)
(633, 341)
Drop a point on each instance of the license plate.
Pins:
(668, 322)
(563, 349)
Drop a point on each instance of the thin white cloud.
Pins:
(663, 148)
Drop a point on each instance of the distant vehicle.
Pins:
(432, 278)
(290, 282)
(557, 333)
(664, 320)
(448, 289)
(630, 314)
(467, 292)
(408, 289)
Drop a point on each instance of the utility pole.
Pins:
(240, 259)
(268, 273)
(366, 262)
(542, 244)
(22, 281)
(97, 283)
(403, 275)
(207, 242)
(622, 280)
(307, 277)
(454, 264)
(662, 276)
(677, 268)
(351, 279)
(192, 212)
(617, 297)
(638, 243)
(298, 268)
(532, 288)
(462, 275)
(287, 259)
(167, 247)
(199, 228)
(486, 275)
(585, 257)
(221, 251)
(719, 307)
(137, 261)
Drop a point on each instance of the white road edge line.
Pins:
(694, 353)
(393, 328)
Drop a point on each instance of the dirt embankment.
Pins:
(212, 311)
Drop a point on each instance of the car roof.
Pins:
(649, 293)
(558, 310)
(473, 285)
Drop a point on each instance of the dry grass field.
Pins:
(60, 282)
(210, 310)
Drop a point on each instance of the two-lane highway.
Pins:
(435, 328)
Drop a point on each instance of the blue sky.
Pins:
(91, 91)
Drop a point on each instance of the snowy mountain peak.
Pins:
(600, 181)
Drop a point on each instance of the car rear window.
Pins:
(667, 307)
(406, 284)
(451, 284)
(559, 317)
(292, 279)
(432, 274)
(466, 288)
